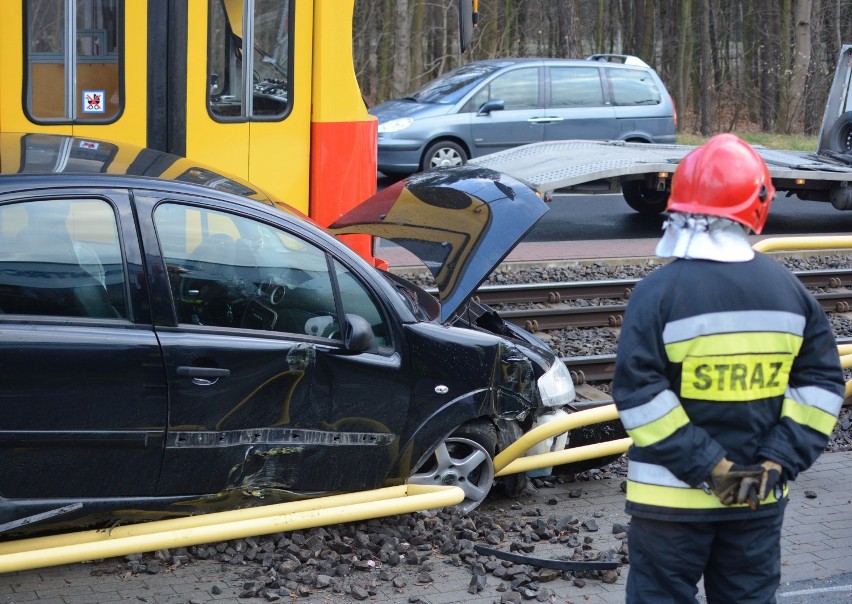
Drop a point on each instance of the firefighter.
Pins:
(728, 381)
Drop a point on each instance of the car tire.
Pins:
(642, 199)
(840, 135)
(443, 154)
(464, 459)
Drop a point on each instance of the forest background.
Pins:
(730, 65)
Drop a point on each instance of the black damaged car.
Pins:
(172, 343)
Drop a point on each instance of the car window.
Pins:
(575, 87)
(230, 271)
(633, 87)
(61, 257)
(452, 86)
(518, 89)
(358, 300)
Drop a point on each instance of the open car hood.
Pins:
(460, 222)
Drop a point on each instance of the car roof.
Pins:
(596, 60)
(50, 159)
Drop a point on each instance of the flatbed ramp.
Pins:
(599, 166)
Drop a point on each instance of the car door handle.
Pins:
(544, 120)
(203, 376)
(205, 372)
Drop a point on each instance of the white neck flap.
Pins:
(702, 237)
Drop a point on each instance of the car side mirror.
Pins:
(493, 105)
(358, 335)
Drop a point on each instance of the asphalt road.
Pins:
(591, 217)
(596, 217)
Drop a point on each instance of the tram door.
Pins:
(248, 102)
(63, 69)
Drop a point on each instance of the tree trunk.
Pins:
(801, 61)
(706, 69)
(401, 72)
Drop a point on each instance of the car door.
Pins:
(522, 119)
(262, 393)
(577, 106)
(83, 407)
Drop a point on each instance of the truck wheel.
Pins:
(464, 459)
(642, 199)
(840, 136)
(443, 154)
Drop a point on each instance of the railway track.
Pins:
(587, 303)
(549, 306)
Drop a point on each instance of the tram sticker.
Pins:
(93, 101)
(91, 145)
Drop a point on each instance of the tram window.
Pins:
(233, 94)
(79, 83)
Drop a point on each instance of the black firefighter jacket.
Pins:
(721, 359)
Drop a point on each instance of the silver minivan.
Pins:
(488, 106)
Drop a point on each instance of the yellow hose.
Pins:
(555, 458)
(184, 532)
(550, 429)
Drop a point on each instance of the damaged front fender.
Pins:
(462, 376)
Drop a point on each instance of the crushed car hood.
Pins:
(460, 222)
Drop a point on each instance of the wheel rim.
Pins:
(445, 157)
(845, 138)
(459, 462)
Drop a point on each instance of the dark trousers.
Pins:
(740, 561)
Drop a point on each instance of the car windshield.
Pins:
(453, 85)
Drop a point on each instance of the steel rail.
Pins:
(555, 292)
(612, 315)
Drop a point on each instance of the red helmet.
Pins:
(723, 177)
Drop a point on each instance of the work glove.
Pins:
(734, 483)
(772, 472)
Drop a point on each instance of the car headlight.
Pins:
(556, 386)
(395, 125)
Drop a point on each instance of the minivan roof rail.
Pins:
(626, 59)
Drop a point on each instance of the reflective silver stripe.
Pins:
(733, 322)
(648, 412)
(814, 396)
(649, 473)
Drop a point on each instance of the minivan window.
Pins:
(518, 89)
(633, 87)
(451, 87)
(575, 87)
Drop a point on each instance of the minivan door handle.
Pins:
(203, 376)
(545, 120)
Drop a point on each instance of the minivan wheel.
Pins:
(443, 154)
(465, 460)
(642, 199)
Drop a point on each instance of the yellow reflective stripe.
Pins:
(734, 378)
(674, 497)
(809, 416)
(752, 342)
(657, 430)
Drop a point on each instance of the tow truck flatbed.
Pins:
(642, 172)
(582, 166)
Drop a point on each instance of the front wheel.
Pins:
(443, 154)
(464, 459)
(643, 199)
